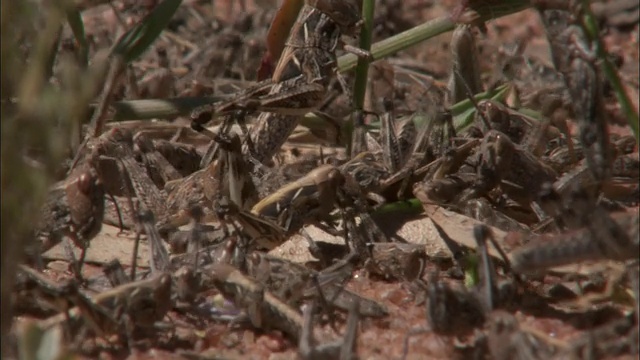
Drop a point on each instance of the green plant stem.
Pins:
(158, 108)
(139, 38)
(74, 18)
(402, 41)
(590, 26)
(429, 29)
(411, 205)
(362, 68)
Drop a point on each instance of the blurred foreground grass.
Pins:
(41, 121)
(35, 127)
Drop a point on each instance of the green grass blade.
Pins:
(431, 29)
(362, 68)
(464, 111)
(74, 18)
(136, 41)
(590, 26)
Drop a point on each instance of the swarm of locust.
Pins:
(148, 189)
(506, 169)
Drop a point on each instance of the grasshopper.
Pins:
(263, 308)
(116, 147)
(455, 310)
(145, 301)
(397, 261)
(120, 146)
(267, 311)
(572, 54)
(623, 170)
(404, 148)
(272, 220)
(498, 163)
(532, 134)
(465, 72)
(312, 198)
(606, 238)
(159, 255)
(66, 298)
(136, 304)
(341, 349)
(57, 296)
(261, 232)
(507, 338)
(156, 164)
(228, 175)
(198, 188)
(294, 283)
(308, 199)
(74, 209)
(238, 184)
(589, 232)
(615, 338)
(402, 153)
(450, 310)
(114, 272)
(301, 77)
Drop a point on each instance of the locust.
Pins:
(258, 231)
(112, 157)
(264, 309)
(614, 338)
(301, 77)
(497, 164)
(170, 207)
(160, 170)
(501, 181)
(464, 79)
(311, 200)
(402, 152)
(294, 283)
(521, 129)
(308, 199)
(408, 152)
(450, 310)
(573, 57)
(397, 261)
(66, 298)
(607, 237)
(227, 175)
(457, 310)
(297, 86)
(133, 305)
(508, 339)
(114, 271)
(120, 147)
(272, 220)
(624, 171)
(503, 168)
(341, 349)
(74, 209)
(57, 296)
(159, 261)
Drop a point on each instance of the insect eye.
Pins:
(86, 182)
